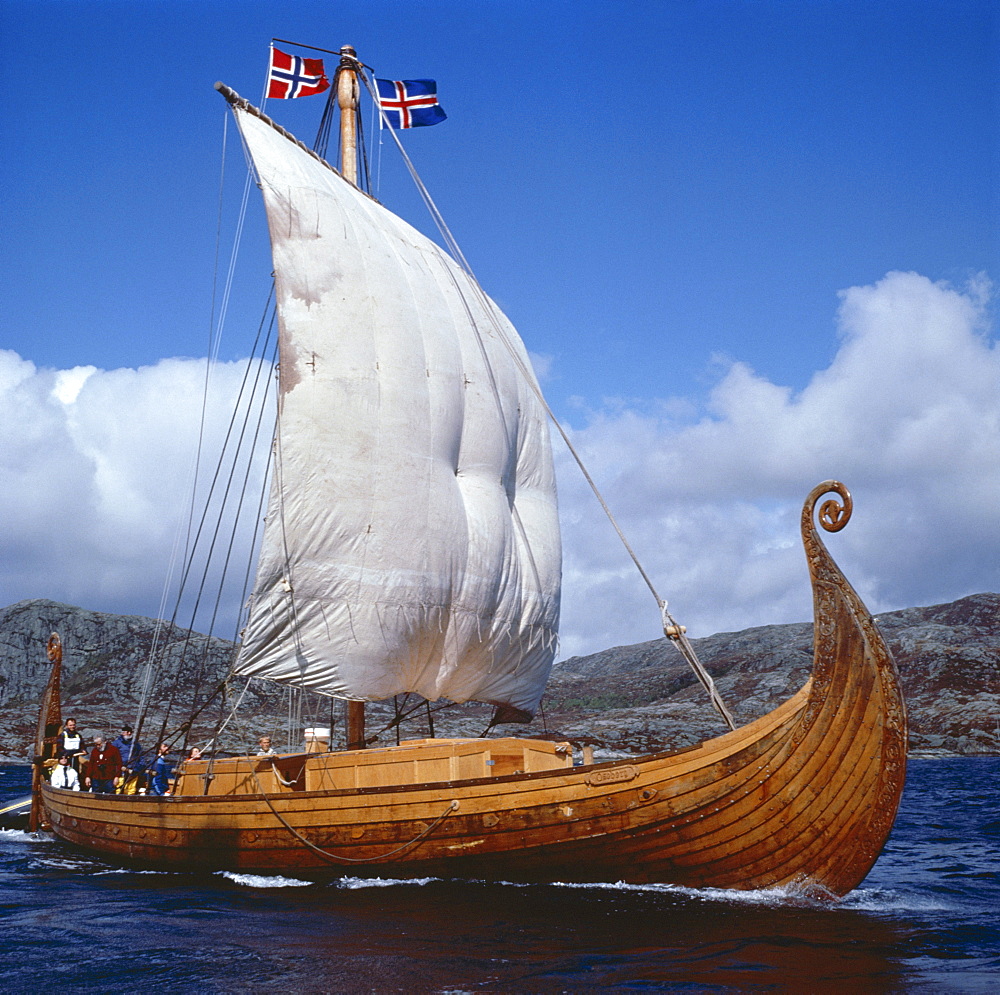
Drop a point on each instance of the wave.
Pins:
(785, 895)
(351, 883)
(883, 900)
(888, 900)
(879, 900)
(262, 880)
(19, 836)
(346, 883)
(69, 864)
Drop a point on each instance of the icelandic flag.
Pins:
(293, 76)
(410, 103)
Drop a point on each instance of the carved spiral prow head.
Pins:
(833, 514)
(54, 648)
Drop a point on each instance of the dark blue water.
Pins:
(926, 920)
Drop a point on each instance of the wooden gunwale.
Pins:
(543, 859)
(318, 817)
(739, 782)
(595, 825)
(146, 804)
(569, 777)
(711, 837)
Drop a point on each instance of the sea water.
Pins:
(927, 919)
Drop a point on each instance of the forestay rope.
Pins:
(674, 632)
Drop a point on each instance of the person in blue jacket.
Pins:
(131, 753)
(161, 769)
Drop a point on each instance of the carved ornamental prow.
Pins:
(851, 662)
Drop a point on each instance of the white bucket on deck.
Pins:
(317, 739)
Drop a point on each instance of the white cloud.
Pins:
(95, 468)
(907, 415)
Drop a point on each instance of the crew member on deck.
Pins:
(265, 747)
(131, 754)
(70, 743)
(63, 776)
(105, 767)
(161, 770)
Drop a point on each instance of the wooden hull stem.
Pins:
(49, 723)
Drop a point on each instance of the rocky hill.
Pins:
(628, 699)
(644, 695)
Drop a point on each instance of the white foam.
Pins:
(759, 896)
(262, 880)
(18, 836)
(352, 882)
(787, 895)
(861, 899)
(887, 900)
(129, 870)
(66, 864)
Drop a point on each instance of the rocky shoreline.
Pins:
(626, 700)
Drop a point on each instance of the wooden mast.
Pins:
(347, 101)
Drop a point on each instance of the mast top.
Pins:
(347, 101)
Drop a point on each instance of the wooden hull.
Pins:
(804, 797)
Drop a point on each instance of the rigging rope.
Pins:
(253, 377)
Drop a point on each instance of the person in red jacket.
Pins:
(105, 766)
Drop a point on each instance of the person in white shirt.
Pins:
(63, 776)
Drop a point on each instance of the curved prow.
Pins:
(49, 723)
(855, 716)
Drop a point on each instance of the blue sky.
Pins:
(640, 184)
(652, 191)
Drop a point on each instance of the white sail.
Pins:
(412, 540)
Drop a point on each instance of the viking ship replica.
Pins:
(412, 546)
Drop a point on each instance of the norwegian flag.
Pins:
(410, 103)
(293, 76)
